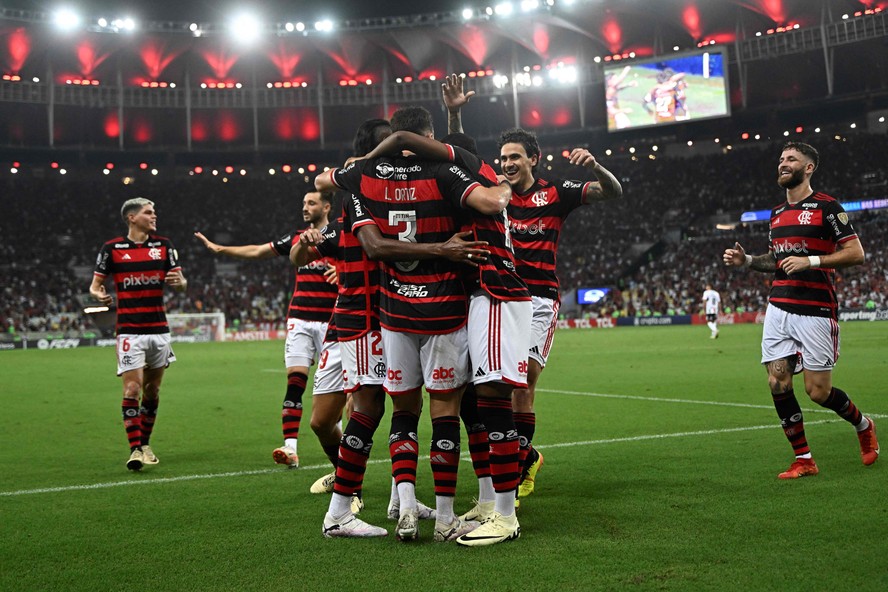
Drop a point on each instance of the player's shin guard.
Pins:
(525, 423)
(838, 401)
(497, 416)
(354, 450)
(132, 421)
(479, 447)
(148, 415)
(403, 446)
(291, 415)
(791, 420)
(444, 454)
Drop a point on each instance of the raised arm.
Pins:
(606, 187)
(238, 251)
(454, 99)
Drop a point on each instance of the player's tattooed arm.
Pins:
(607, 186)
(764, 263)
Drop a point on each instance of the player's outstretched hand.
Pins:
(582, 157)
(452, 91)
(735, 257)
(207, 242)
(458, 249)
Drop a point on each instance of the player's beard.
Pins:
(795, 179)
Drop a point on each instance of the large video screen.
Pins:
(666, 90)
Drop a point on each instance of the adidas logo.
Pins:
(480, 372)
(406, 447)
(438, 459)
(126, 257)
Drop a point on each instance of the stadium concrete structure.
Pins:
(175, 87)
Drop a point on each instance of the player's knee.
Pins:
(779, 384)
(818, 392)
(522, 400)
(151, 391)
(131, 389)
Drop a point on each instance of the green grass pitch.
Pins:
(661, 447)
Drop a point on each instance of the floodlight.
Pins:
(325, 25)
(66, 19)
(245, 28)
(504, 9)
(467, 13)
(528, 5)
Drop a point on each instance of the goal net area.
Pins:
(197, 327)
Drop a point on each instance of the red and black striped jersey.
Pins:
(138, 271)
(498, 276)
(313, 298)
(813, 226)
(535, 220)
(357, 305)
(415, 201)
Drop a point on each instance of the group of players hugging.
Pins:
(439, 273)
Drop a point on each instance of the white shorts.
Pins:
(328, 374)
(499, 339)
(542, 328)
(305, 340)
(787, 335)
(135, 352)
(441, 362)
(362, 361)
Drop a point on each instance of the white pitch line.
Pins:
(688, 401)
(326, 467)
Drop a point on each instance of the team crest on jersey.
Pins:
(155, 254)
(540, 198)
(843, 218)
(385, 170)
(805, 217)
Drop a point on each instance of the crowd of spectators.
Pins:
(656, 247)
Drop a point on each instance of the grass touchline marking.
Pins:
(688, 401)
(111, 484)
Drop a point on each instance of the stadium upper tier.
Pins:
(109, 82)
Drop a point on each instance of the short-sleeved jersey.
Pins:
(313, 298)
(357, 306)
(138, 271)
(498, 276)
(711, 301)
(535, 219)
(813, 226)
(415, 201)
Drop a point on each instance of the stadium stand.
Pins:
(657, 247)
